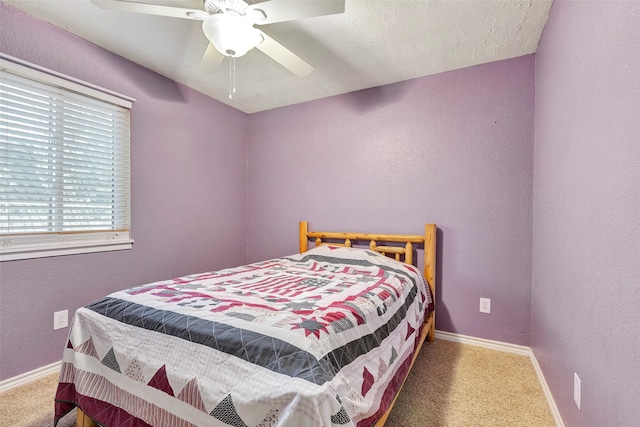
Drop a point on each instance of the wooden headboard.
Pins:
(346, 239)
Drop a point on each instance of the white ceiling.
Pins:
(375, 42)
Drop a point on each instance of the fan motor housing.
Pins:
(232, 35)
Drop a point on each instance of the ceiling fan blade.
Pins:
(284, 56)
(211, 59)
(289, 10)
(151, 9)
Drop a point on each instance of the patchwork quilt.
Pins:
(321, 338)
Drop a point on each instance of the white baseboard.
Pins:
(481, 342)
(547, 392)
(28, 377)
(508, 348)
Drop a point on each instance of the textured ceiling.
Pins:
(373, 43)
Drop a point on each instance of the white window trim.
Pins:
(36, 72)
(22, 247)
(55, 244)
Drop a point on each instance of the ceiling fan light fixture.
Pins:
(232, 35)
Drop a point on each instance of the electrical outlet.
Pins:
(485, 305)
(577, 389)
(60, 319)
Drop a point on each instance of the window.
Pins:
(64, 165)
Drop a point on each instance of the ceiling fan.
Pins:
(229, 25)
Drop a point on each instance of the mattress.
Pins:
(315, 339)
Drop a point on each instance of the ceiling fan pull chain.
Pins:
(232, 73)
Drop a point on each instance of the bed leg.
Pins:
(83, 420)
(431, 335)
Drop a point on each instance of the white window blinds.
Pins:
(64, 167)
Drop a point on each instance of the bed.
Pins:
(319, 338)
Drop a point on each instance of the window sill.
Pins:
(12, 249)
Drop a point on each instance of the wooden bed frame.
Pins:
(428, 240)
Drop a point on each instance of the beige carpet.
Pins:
(456, 385)
(450, 385)
(31, 405)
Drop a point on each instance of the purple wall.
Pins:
(586, 212)
(189, 194)
(455, 149)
